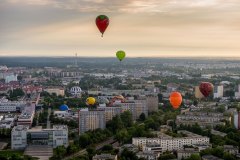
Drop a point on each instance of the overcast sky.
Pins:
(143, 28)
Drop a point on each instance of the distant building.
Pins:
(105, 157)
(231, 149)
(27, 115)
(148, 155)
(76, 91)
(154, 147)
(168, 143)
(186, 153)
(218, 92)
(11, 77)
(11, 106)
(236, 120)
(152, 103)
(57, 91)
(22, 136)
(91, 119)
(203, 119)
(237, 94)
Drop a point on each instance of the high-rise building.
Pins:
(91, 119)
(110, 112)
(136, 107)
(152, 103)
(237, 94)
(218, 92)
(236, 120)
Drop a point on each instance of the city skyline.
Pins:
(155, 28)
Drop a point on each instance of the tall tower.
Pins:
(75, 61)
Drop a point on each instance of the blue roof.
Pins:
(63, 107)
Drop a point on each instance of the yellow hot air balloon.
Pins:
(90, 101)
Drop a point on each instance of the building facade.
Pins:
(22, 136)
(91, 119)
(168, 143)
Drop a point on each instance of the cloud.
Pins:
(141, 27)
(130, 6)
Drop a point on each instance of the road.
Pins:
(84, 151)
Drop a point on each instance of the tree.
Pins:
(142, 117)
(107, 148)
(126, 118)
(115, 124)
(84, 140)
(122, 135)
(91, 152)
(72, 149)
(60, 151)
(194, 157)
(228, 156)
(127, 155)
(167, 156)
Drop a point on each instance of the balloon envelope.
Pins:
(120, 55)
(90, 101)
(102, 23)
(175, 99)
(206, 88)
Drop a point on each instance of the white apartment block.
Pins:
(11, 106)
(218, 92)
(237, 94)
(169, 143)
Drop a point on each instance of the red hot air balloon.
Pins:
(206, 88)
(102, 23)
(175, 99)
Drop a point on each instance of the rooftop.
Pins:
(20, 128)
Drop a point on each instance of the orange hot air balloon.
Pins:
(175, 99)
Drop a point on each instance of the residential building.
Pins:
(10, 77)
(231, 149)
(148, 155)
(154, 147)
(152, 103)
(7, 121)
(237, 94)
(91, 119)
(110, 112)
(169, 143)
(203, 119)
(218, 92)
(186, 153)
(11, 106)
(22, 136)
(236, 120)
(57, 91)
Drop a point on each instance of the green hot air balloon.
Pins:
(120, 55)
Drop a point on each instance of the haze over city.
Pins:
(158, 28)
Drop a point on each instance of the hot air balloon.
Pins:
(120, 55)
(175, 99)
(206, 88)
(90, 101)
(102, 23)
